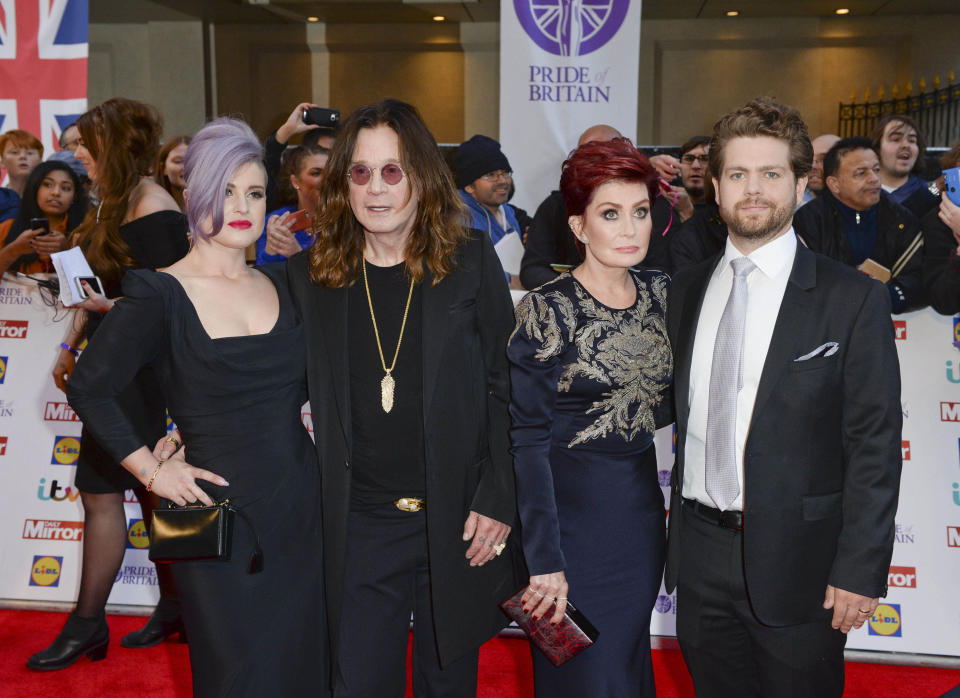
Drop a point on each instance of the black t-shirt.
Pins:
(388, 456)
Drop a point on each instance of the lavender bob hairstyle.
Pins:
(214, 154)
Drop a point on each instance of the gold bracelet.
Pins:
(155, 473)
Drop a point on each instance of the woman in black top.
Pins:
(135, 225)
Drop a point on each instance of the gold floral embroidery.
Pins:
(624, 349)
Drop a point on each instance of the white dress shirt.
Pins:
(765, 287)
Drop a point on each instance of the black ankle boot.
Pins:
(79, 636)
(164, 622)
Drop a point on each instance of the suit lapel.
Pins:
(789, 332)
(683, 354)
(435, 306)
(332, 309)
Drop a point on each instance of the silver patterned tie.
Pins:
(726, 379)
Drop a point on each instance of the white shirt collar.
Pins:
(770, 258)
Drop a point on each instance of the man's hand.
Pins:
(667, 166)
(681, 202)
(486, 533)
(294, 123)
(849, 610)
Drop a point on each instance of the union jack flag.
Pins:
(43, 66)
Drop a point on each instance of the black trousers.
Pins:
(387, 577)
(731, 654)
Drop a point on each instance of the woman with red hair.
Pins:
(590, 371)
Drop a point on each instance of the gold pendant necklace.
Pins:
(387, 385)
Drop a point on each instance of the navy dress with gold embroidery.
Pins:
(590, 386)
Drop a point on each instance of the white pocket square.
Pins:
(827, 349)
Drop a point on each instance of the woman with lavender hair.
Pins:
(227, 346)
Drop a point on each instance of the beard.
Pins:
(758, 228)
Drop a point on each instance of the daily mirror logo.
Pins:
(571, 28)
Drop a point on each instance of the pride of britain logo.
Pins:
(571, 27)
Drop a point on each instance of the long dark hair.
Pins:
(438, 230)
(30, 209)
(123, 136)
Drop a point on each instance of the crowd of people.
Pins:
(463, 450)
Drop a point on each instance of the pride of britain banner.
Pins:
(565, 65)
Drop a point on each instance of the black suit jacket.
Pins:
(822, 458)
(467, 318)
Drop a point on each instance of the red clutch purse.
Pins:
(559, 643)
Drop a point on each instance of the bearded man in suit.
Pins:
(787, 391)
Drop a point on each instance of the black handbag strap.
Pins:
(256, 557)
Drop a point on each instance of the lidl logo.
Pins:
(3, 368)
(886, 621)
(45, 571)
(901, 328)
(66, 449)
(137, 534)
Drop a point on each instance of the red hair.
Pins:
(596, 163)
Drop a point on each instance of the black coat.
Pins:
(467, 318)
(822, 458)
(700, 237)
(941, 265)
(819, 225)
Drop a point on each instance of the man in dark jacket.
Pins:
(855, 222)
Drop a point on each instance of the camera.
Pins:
(321, 116)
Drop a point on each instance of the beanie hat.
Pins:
(476, 157)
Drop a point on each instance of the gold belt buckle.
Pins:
(410, 504)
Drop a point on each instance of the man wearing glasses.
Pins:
(485, 180)
(694, 155)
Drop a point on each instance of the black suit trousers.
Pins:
(387, 578)
(728, 652)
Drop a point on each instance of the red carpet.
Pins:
(505, 670)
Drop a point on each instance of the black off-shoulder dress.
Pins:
(236, 400)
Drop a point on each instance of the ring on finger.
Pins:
(173, 440)
(499, 548)
(550, 598)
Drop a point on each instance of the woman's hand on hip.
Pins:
(176, 480)
(546, 593)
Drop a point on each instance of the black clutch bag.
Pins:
(198, 533)
(559, 643)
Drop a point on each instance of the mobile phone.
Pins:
(319, 115)
(951, 184)
(40, 223)
(94, 283)
(299, 220)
